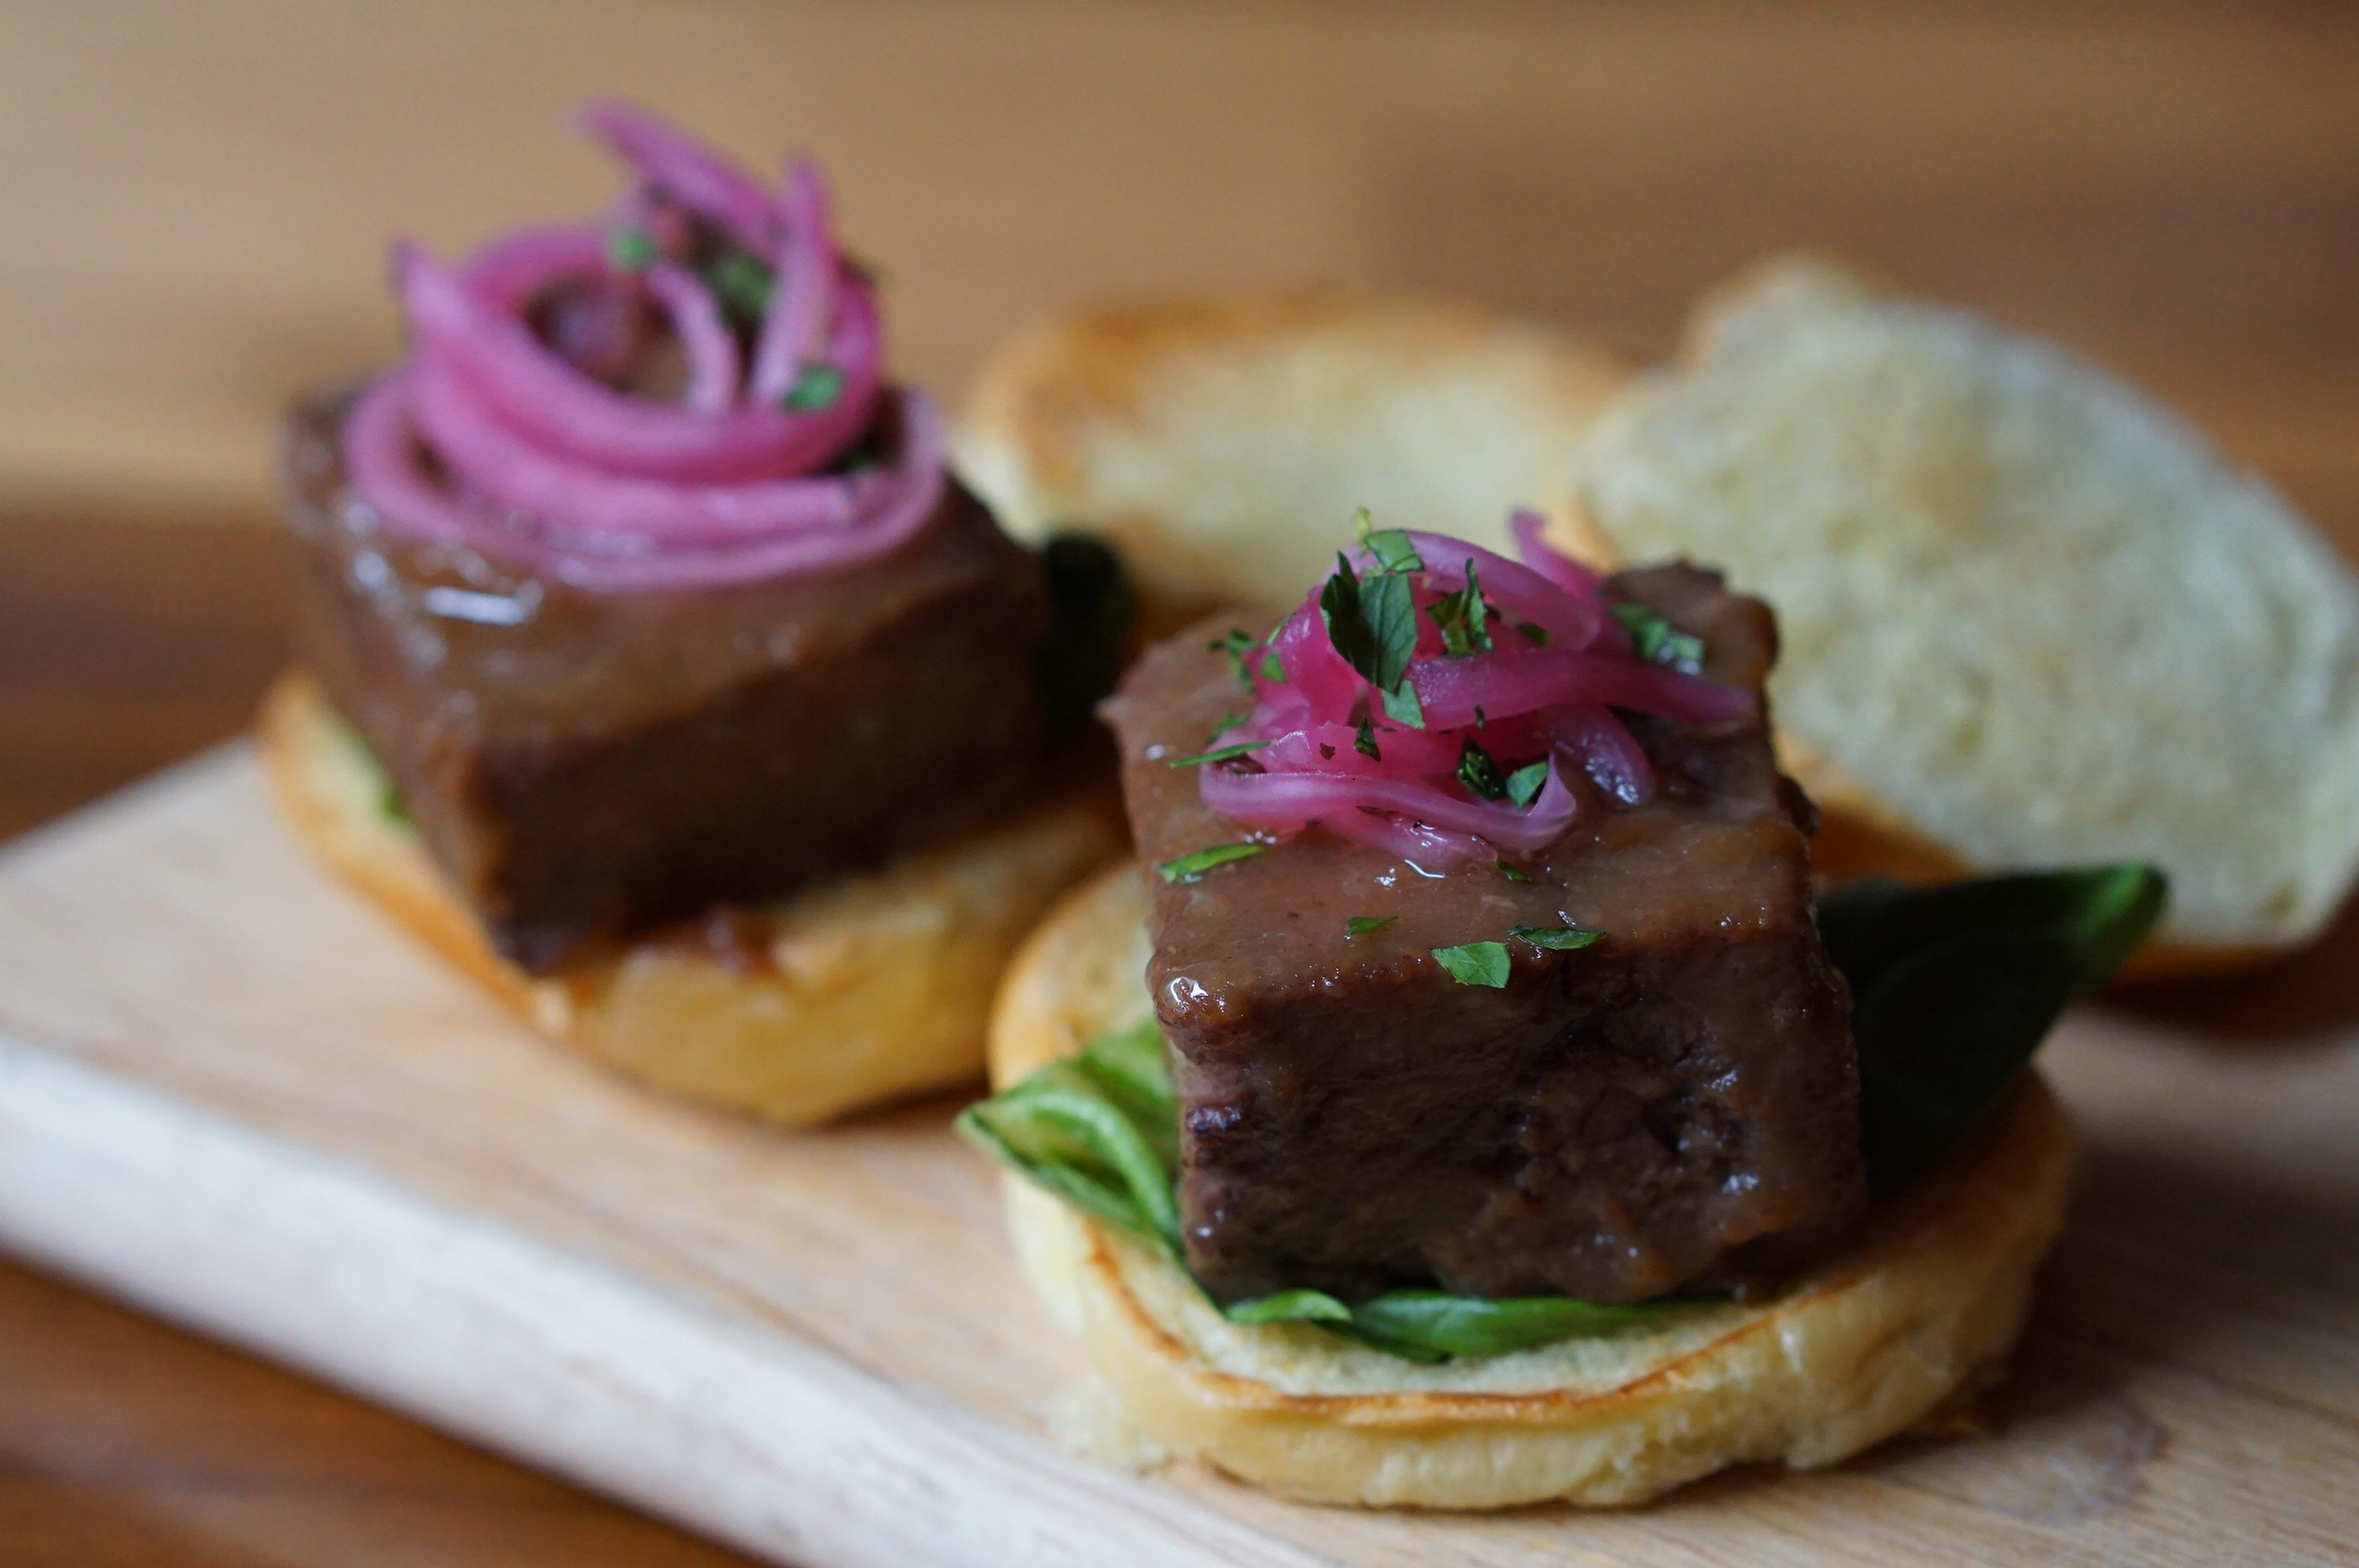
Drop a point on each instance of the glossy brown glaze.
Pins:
(590, 767)
(1675, 1105)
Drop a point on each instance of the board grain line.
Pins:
(685, 1410)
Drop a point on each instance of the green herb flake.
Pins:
(742, 284)
(1657, 640)
(1365, 741)
(1234, 647)
(1525, 784)
(1298, 1306)
(1512, 873)
(632, 250)
(1361, 926)
(1475, 963)
(1534, 634)
(1187, 868)
(1372, 622)
(1389, 546)
(1463, 618)
(1557, 938)
(1273, 670)
(816, 387)
(1218, 754)
(1402, 707)
(1480, 774)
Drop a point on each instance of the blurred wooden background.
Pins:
(193, 205)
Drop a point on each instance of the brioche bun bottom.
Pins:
(1923, 1307)
(861, 990)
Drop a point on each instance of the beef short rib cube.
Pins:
(1675, 1105)
(586, 768)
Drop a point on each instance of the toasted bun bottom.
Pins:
(865, 989)
(1863, 1347)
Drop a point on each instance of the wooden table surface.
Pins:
(194, 200)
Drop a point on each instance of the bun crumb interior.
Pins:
(2029, 617)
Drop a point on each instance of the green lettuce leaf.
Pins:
(1954, 987)
(1101, 1130)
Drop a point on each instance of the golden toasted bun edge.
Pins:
(864, 989)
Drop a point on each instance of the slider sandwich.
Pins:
(655, 667)
(1464, 1103)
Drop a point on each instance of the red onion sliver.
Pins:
(1609, 752)
(692, 176)
(381, 450)
(1571, 619)
(564, 410)
(507, 273)
(1284, 801)
(1529, 529)
(1512, 681)
(512, 472)
(795, 325)
(710, 346)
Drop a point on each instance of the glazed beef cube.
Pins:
(587, 768)
(1674, 1106)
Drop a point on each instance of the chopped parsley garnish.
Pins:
(1228, 721)
(1475, 963)
(816, 387)
(1234, 647)
(1218, 754)
(1480, 774)
(742, 284)
(1364, 742)
(1512, 873)
(1658, 641)
(1187, 868)
(1465, 618)
(1401, 705)
(632, 250)
(1359, 926)
(1525, 784)
(1560, 939)
(1372, 622)
(1273, 670)
(1533, 633)
(1389, 546)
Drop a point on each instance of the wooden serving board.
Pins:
(233, 1092)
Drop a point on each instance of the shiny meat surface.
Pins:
(587, 768)
(1675, 1106)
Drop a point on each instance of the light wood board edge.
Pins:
(718, 1422)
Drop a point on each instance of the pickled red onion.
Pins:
(793, 327)
(1326, 753)
(537, 462)
(382, 457)
(688, 174)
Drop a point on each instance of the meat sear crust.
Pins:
(588, 768)
(1675, 1106)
